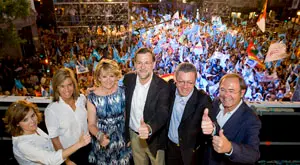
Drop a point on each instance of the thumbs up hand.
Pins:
(221, 143)
(206, 123)
(143, 130)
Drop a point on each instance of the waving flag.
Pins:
(71, 52)
(167, 77)
(18, 84)
(50, 88)
(116, 56)
(252, 52)
(176, 15)
(96, 54)
(154, 13)
(58, 52)
(125, 58)
(261, 22)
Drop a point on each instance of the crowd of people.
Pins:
(111, 105)
(215, 48)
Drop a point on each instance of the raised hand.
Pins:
(221, 143)
(206, 123)
(143, 130)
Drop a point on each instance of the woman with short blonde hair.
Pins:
(106, 116)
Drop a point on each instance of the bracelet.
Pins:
(99, 136)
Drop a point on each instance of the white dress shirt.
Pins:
(223, 118)
(138, 103)
(36, 149)
(63, 122)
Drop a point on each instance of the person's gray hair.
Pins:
(186, 67)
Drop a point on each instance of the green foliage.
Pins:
(10, 11)
(13, 9)
(9, 36)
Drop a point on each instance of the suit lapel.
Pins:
(233, 122)
(172, 97)
(130, 90)
(215, 108)
(152, 92)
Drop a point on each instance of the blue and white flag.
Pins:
(96, 54)
(116, 55)
(58, 52)
(71, 52)
(50, 88)
(153, 12)
(18, 84)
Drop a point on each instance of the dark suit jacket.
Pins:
(156, 109)
(190, 134)
(242, 129)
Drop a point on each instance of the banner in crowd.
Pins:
(268, 78)
(251, 63)
(276, 51)
(81, 69)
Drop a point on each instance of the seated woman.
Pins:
(31, 145)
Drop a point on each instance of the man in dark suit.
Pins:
(237, 141)
(147, 110)
(185, 137)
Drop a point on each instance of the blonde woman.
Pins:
(106, 105)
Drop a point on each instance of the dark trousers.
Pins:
(173, 154)
(80, 157)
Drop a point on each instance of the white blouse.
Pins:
(61, 121)
(36, 149)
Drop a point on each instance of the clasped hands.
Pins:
(103, 140)
(220, 143)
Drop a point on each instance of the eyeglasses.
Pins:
(230, 91)
(182, 83)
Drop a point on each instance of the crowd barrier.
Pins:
(279, 140)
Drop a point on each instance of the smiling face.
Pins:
(107, 79)
(66, 89)
(29, 123)
(185, 82)
(144, 66)
(230, 93)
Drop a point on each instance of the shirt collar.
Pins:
(231, 112)
(62, 101)
(185, 98)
